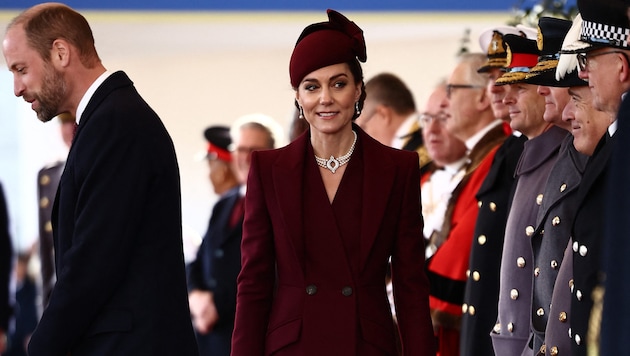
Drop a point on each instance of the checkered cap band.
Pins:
(598, 33)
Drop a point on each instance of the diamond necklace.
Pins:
(332, 164)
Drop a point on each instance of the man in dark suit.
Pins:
(121, 284)
(6, 263)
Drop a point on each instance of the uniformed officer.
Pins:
(47, 183)
(603, 55)
(510, 335)
(482, 284)
(558, 201)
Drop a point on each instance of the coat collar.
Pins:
(378, 178)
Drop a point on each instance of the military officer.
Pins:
(558, 201)
(482, 284)
(510, 335)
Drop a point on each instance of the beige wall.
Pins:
(198, 69)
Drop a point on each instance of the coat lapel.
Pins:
(378, 179)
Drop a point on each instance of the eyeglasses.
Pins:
(440, 119)
(450, 87)
(584, 57)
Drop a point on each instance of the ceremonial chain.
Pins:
(332, 164)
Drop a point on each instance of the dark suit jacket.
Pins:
(121, 284)
(588, 240)
(6, 262)
(216, 268)
(271, 319)
(614, 329)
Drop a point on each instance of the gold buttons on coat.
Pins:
(553, 351)
(536, 271)
(514, 294)
(497, 328)
(44, 180)
(464, 308)
(510, 327)
(520, 262)
(48, 226)
(471, 310)
(583, 251)
(555, 221)
(539, 199)
(529, 231)
(554, 264)
(43, 202)
(578, 295)
(562, 317)
(482, 239)
(576, 245)
(563, 187)
(542, 349)
(540, 312)
(476, 276)
(493, 207)
(479, 204)
(578, 339)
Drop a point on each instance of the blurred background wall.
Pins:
(203, 64)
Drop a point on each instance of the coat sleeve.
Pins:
(257, 277)
(6, 257)
(411, 286)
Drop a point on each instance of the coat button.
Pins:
(554, 351)
(554, 264)
(346, 291)
(514, 294)
(563, 187)
(311, 289)
(562, 317)
(482, 239)
(583, 251)
(43, 202)
(219, 253)
(510, 327)
(479, 204)
(497, 328)
(464, 308)
(536, 271)
(539, 199)
(493, 207)
(555, 221)
(44, 180)
(543, 349)
(578, 339)
(540, 312)
(471, 310)
(520, 262)
(529, 231)
(476, 276)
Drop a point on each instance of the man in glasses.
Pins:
(473, 122)
(511, 333)
(482, 286)
(603, 59)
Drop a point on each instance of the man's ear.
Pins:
(60, 53)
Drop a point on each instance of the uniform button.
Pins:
(555, 221)
(497, 328)
(529, 231)
(543, 349)
(44, 180)
(311, 289)
(562, 317)
(43, 202)
(48, 226)
(493, 206)
(464, 308)
(482, 239)
(520, 262)
(537, 271)
(471, 310)
(571, 285)
(539, 199)
(479, 204)
(219, 253)
(563, 187)
(346, 291)
(212, 283)
(540, 312)
(578, 294)
(575, 246)
(467, 273)
(570, 335)
(476, 276)
(553, 351)
(514, 294)
(583, 251)
(578, 339)
(510, 327)
(554, 264)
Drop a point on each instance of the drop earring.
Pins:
(356, 106)
(301, 116)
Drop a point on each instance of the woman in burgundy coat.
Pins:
(324, 215)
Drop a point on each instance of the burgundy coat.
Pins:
(281, 311)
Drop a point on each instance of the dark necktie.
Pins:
(237, 212)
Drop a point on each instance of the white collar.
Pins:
(88, 94)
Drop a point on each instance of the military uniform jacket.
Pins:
(216, 268)
(588, 232)
(510, 335)
(447, 267)
(47, 183)
(121, 281)
(482, 285)
(314, 284)
(554, 222)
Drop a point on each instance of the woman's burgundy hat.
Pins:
(338, 40)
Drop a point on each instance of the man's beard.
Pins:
(52, 93)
